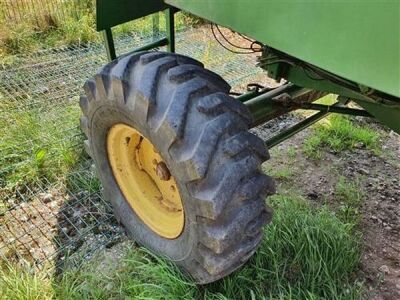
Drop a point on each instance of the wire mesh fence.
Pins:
(51, 207)
(49, 221)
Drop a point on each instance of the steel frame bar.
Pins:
(155, 20)
(170, 26)
(251, 94)
(279, 138)
(109, 44)
(168, 41)
(152, 45)
(336, 109)
(269, 104)
(266, 106)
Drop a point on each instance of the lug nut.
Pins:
(162, 171)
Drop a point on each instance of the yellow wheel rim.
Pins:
(145, 181)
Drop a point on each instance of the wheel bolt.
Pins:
(162, 171)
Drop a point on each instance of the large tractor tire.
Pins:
(177, 162)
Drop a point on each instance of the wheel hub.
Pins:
(145, 181)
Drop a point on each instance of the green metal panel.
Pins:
(110, 13)
(387, 114)
(356, 39)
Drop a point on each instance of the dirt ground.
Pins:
(379, 181)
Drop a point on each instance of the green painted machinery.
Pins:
(194, 126)
(353, 46)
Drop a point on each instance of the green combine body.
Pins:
(357, 40)
(169, 124)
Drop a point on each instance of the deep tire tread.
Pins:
(174, 119)
(196, 165)
(185, 72)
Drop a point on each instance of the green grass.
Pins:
(35, 143)
(350, 197)
(28, 36)
(45, 24)
(291, 152)
(144, 26)
(23, 38)
(141, 276)
(284, 169)
(306, 254)
(16, 283)
(339, 133)
(283, 172)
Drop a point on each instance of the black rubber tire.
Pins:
(202, 134)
